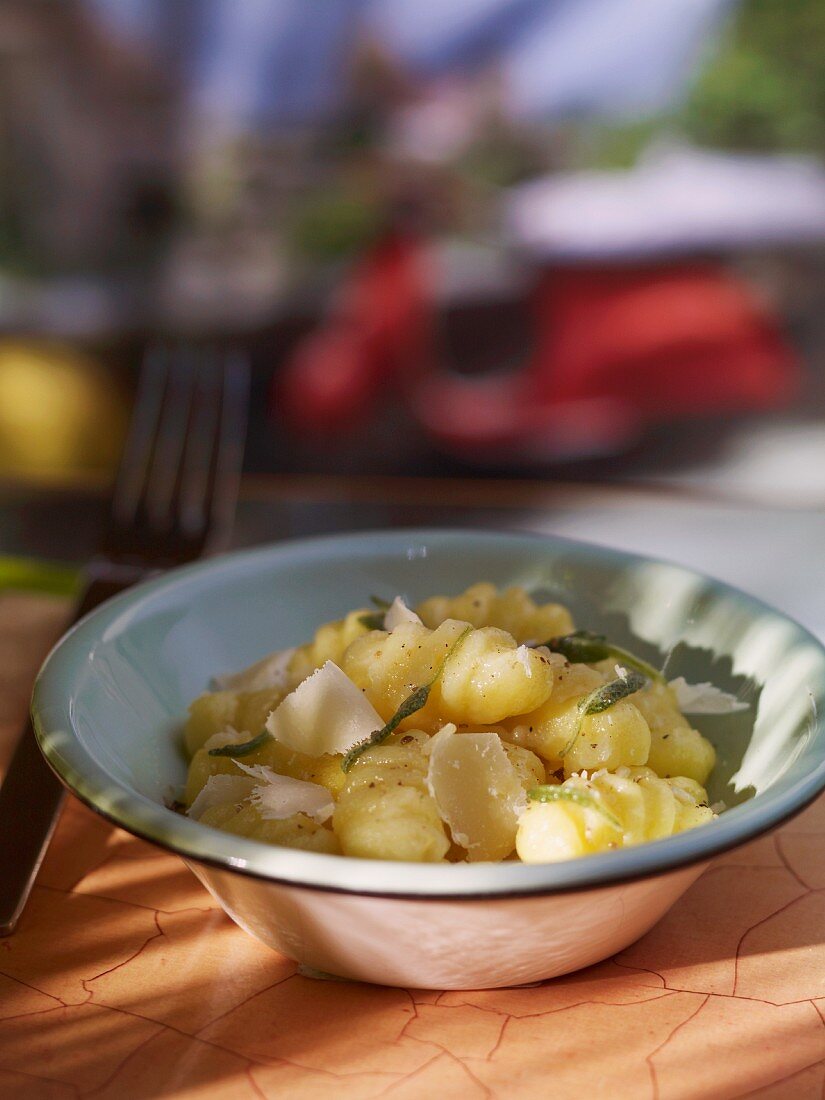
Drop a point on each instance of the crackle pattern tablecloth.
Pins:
(125, 980)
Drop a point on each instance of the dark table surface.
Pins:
(773, 550)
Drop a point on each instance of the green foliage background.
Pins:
(760, 89)
(765, 88)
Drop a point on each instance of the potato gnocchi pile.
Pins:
(475, 727)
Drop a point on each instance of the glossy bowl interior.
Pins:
(109, 703)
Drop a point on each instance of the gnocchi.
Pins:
(473, 727)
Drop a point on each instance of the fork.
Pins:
(173, 501)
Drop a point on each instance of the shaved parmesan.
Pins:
(477, 792)
(279, 796)
(704, 698)
(219, 789)
(326, 713)
(398, 613)
(682, 796)
(523, 655)
(270, 672)
(227, 736)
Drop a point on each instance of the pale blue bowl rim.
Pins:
(58, 680)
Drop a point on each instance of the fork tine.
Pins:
(179, 477)
(161, 483)
(229, 446)
(132, 472)
(190, 502)
(184, 451)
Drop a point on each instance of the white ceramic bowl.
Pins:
(111, 697)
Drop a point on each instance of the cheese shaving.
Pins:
(523, 656)
(270, 672)
(682, 796)
(279, 796)
(219, 789)
(227, 736)
(398, 613)
(477, 791)
(325, 714)
(704, 698)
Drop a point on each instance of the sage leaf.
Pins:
(603, 698)
(608, 694)
(572, 794)
(372, 620)
(415, 701)
(580, 647)
(584, 647)
(245, 748)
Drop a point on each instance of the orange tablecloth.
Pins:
(125, 980)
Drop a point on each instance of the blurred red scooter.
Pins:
(615, 350)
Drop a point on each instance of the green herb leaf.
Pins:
(580, 647)
(415, 701)
(583, 647)
(245, 748)
(604, 697)
(27, 575)
(572, 794)
(608, 694)
(411, 704)
(372, 620)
